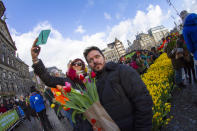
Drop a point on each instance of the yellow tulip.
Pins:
(52, 105)
(58, 93)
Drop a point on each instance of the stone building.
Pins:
(14, 73)
(136, 45)
(110, 54)
(114, 51)
(143, 41)
(39, 83)
(158, 33)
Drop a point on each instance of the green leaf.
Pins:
(73, 116)
(84, 117)
(73, 106)
(60, 107)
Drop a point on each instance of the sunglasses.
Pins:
(77, 64)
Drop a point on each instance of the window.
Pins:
(3, 57)
(12, 62)
(9, 76)
(16, 88)
(3, 74)
(8, 60)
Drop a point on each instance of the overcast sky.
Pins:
(77, 24)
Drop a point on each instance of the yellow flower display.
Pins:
(159, 82)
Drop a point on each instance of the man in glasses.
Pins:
(122, 92)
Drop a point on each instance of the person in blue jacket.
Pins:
(190, 33)
(37, 104)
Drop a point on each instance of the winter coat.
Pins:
(134, 65)
(176, 63)
(121, 92)
(190, 33)
(23, 105)
(125, 97)
(2, 109)
(9, 106)
(37, 102)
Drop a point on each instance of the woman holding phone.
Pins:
(76, 68)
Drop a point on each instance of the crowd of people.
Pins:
(141, 59)
(20, 104)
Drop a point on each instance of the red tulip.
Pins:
(93, 121)
(81, 77)
(66, 109)
(67, 87)
(93, 74)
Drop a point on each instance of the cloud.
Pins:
(190, 5)
(59, 50)
(80, 29)
(127, 29)
(107, 16)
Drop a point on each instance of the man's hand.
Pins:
(35, 51)
(59, 87)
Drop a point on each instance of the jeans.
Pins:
(178, 76)
(44, 120)
(68, 115)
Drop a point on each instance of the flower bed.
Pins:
(159, 82)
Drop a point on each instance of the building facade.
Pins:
(114, 51)
(52, 71)
(14, 73)
(136, 45)
(110, 54)
(158, 33)
(143, 41)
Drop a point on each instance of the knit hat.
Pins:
(183, 14)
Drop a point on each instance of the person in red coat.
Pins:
(2, 108)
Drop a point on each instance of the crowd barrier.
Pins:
(11, 119)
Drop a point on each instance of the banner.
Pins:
(7, 119)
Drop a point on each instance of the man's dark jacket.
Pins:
(122, 93)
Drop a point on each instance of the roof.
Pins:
(157, 28)
(2, 8)
(9, 40)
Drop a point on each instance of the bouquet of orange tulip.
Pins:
(86, 102)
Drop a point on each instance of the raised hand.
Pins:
(35, 51)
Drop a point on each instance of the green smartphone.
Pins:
(43, 36)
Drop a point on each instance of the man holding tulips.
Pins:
(121, 91)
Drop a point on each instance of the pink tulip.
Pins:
(67, 84)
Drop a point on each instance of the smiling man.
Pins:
(122, 92)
